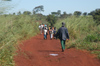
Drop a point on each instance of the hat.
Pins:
(45, 25)
(63, 23)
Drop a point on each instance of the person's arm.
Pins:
(67, 35)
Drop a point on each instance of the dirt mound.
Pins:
(39, 52)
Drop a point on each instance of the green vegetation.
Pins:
(14, 28)
(96, 15)
(83, 32)
(51, 19)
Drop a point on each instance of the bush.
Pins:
(92, 38)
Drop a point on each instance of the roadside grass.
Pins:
(14, 28)
(83, 32)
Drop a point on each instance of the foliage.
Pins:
(26, 13)
(96, 16)
(58, 13)
(51, 19)
(38, 9)
(85, 13)
(19, 13)
(14, 28)
(77, 13)
(92, 38)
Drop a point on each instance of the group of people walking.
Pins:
(47, 31)
(62, 33)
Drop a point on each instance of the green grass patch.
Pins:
(14, 28)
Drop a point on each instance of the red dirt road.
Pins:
(36, 52)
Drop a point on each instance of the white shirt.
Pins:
(45, 31)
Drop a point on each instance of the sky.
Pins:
(68, 6)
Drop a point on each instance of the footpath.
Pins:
(39, 52)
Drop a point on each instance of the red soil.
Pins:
(36, 52)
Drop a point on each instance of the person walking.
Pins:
(45, 33)
(47, 30)
(51, 33)
(63, 35)
(40, 28)
(54, 32)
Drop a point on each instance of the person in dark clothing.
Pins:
(54, 32)
(63, 35)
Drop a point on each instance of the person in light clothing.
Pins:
(51, 33)
(45, 33)
(40, 28)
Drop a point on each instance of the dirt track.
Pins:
(36, 52)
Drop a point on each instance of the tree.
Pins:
(70, 14)
(19, 13)
(54, 13)
(59, 12)
(51, 19)
(77, 13)
(96, 16)
(38, 9)
(27, 13)
(91, 13)
(64, 15)
(14, 13)
(85, 13)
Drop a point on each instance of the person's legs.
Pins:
(50, 36)
(41, 31)
(44, 36)
(63, 45)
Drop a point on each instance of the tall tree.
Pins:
(38, 9)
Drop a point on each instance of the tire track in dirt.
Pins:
(36, 52)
